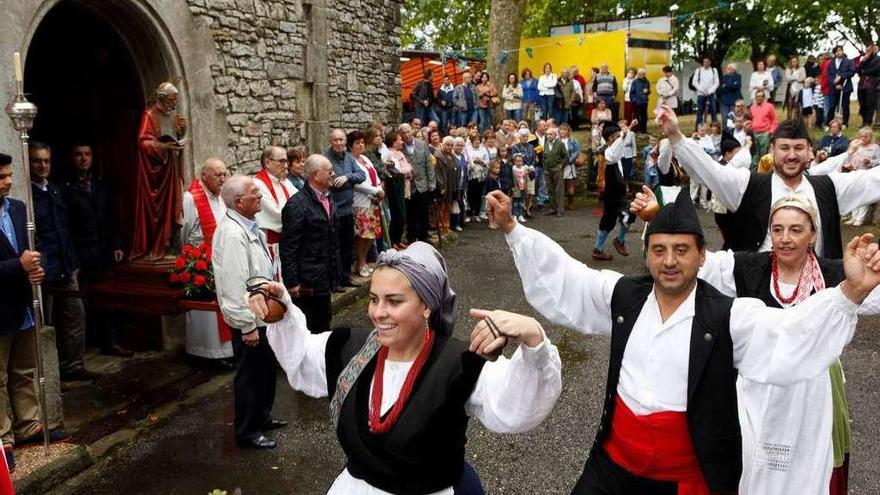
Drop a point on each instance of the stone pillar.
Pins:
(317, 116)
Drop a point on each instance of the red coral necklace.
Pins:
(377, 424)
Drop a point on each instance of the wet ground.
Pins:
(194, 452)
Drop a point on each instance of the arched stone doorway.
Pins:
(89, 69)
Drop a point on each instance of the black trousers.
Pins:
(474, 196)
(254, 384)
(867, 105)
(346, 247)
(602, 476)
(727, 225)
(417, 216)
(394, 189)
(318, 311)
(642, 117)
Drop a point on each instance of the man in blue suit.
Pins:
(840, 72)
(19, 268)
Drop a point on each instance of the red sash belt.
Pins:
(272, 237)
(656, 446)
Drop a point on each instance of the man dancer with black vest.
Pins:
(748, 195)
(670, 424)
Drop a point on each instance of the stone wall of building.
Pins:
(287, 70)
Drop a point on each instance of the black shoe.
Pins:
(10, 459)
(55, 436)
(274, 424)
(80, 375)
(260, 442)
(337, 289)
(225, 364)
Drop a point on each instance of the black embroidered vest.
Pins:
(424, 451)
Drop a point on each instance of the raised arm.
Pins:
(728, 183)
(857, 188)
(718, 271)
(299, 352)
(514, 395)
(558, 286)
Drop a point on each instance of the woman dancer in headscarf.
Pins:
(401, 394)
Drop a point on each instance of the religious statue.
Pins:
(158, 202)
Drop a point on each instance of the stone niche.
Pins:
(251, 72)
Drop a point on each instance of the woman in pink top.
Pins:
(864, 154)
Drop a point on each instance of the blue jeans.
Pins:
(519, 204)
(725, 111)
(484, 118)
(465, 117)
(515, 115)
(652, 177)
(835, 99)
(447, 118)
(541, 186)
(703, 103)
(426, 114)
(560, 115)
(547, 106)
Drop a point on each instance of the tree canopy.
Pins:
(758, 28)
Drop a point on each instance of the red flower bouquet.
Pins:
(193, 270)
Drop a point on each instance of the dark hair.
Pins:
(706, 57)
(353, 137)
(37, 146)
(391, 138)
(547, 64)
(837, 47)
(792, 129)
(296, 154)
(81, 143)
(515, 80)
(370, 134)
(429, 74)
(667, 68)
(523, 73)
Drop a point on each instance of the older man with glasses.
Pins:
(276, 189)
(241, 256)
(348, 174)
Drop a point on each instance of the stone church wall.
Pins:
(288, 69)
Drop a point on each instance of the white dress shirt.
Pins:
(853, 189)
(787, 446)
(191, 231)
(770, 345)
(269, 217)
(239, 253)
(511, 395)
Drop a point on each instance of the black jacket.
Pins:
(15, 289)
(308, 244)
(93, 226)
(53, 233)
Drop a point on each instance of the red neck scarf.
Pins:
(371, 171)
(377, 424)
(811, 278)
(263, 176)
(206, 215)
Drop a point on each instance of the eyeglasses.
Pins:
(279, 160)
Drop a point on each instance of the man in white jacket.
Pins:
(705, 81)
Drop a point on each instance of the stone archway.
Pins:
(89, 69)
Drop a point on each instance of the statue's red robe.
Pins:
(159, 201)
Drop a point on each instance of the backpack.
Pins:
(691, 81)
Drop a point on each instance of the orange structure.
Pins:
(413, 65)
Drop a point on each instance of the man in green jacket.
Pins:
(555, 157)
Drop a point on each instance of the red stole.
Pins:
(657, 446)
(208, 224)
(272, 237)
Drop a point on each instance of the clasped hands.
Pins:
(30, 263)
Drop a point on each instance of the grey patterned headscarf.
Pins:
(425, 269)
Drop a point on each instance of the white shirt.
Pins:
(853, 189)
(547, 84)
(705, 80)
(770, 345)
(757, 80)
(239, 252)
(269, 217)
(364, 192)
(796, 419)
(614, 153)
(191, 231)
(511, 395)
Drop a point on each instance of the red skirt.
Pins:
(656, 446)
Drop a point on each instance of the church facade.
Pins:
(250, 72)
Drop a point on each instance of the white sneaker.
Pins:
(458, 228)
(365, 271)
(467, 219)
(521, 219)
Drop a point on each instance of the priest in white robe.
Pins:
(202, 209)
(276, 189)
